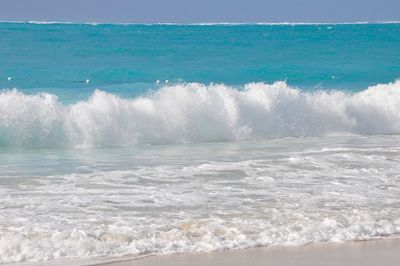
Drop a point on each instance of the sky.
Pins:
(195, 11)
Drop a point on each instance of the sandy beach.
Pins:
(365, 253)
(379, 252)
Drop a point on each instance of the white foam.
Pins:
(194, 112)
(282, 192)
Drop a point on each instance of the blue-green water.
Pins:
(263, 135)
(129, 59)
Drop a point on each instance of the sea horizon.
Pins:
(205, 23)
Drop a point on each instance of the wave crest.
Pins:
(196, 113)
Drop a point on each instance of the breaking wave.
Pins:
(186, 113)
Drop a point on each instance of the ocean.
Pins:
(147, 139)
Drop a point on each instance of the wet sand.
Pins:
(365, 253)
(379, 252)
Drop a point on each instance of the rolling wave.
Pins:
(189, 113)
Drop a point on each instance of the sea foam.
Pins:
(190, 113)
(177, 199)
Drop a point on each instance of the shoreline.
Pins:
(364, 253)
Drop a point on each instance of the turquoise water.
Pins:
(130, 140)
(129, 59)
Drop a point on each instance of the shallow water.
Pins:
(198, 197)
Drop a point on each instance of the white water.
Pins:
(193, 113)
(185, 198)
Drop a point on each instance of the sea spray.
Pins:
(192, 113)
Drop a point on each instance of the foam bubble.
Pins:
(190, 198)
(195, 112)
